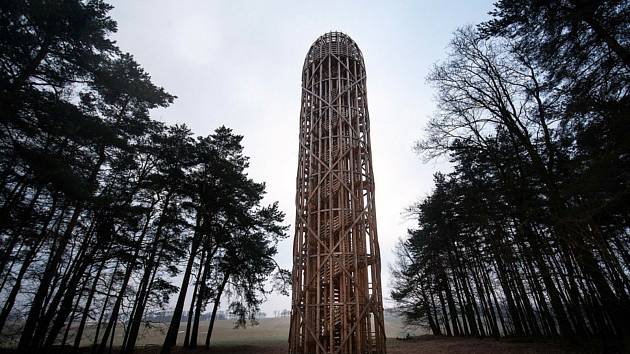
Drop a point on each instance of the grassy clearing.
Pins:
(270, 330)
(272, 334)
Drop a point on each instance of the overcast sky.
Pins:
(239, 63)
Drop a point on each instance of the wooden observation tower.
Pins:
(337, 304)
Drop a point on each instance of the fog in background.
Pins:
(239, 64)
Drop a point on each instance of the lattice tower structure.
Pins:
(337, 302)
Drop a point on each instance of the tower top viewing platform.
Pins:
(336, 43)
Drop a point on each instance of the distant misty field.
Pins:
(271, 336)
(270, 330)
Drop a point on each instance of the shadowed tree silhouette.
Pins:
(99, 204)
(528, 235)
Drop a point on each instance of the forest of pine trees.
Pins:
(529, 234)
(101, 207)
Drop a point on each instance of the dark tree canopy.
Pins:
(101, 206)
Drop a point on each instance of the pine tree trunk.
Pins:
(73, 313)
(171, 336)
(112, 318)
(88, 304)
(131, 336)
(201, 300)
(30, 325)
(10, 300)
(119, 299)
(215, 307)
(61, 306)
(195, 296)
(17, 235)
(444, 314)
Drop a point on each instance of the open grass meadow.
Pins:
(270, 331)
(270, 336)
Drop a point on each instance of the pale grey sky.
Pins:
(239, 63)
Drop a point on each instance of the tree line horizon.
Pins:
(101, 206)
